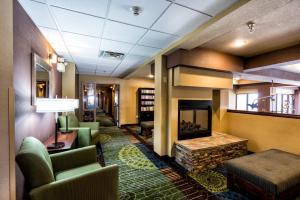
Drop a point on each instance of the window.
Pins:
(283, 101)
(247, 101)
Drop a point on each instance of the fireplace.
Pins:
(194, 119)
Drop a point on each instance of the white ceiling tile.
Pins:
(110, 45)
(86, 72)
(92, 7)
(52, 35)
(78, 23)
(67, 57)
(106, 70)
(130, 62)
(60, 48)
(84, 52)
(100, 73)
(179, 20)
(39, 13)
(122, 32)
(120, 11)
(144, 51)
(83, 60)
(157, 39)
(133, 60)
(81, 40)
(107, 63)
(84, 66)
(211, 7)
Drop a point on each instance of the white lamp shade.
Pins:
(44, 105)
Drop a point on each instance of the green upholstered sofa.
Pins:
(73, 123)
(70, 175)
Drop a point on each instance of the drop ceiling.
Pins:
(78, 30)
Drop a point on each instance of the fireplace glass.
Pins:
(194, 119)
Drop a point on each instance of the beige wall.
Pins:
(68, 81)
(174, 94)
(193, 77)
(128, 89)
(265, 132)
(7, 163)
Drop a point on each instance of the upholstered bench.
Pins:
(146, 127)
(271, 174)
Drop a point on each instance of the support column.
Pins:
(219, 109)
(160, 108)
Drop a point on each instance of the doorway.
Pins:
(100, 102)
(108, 103)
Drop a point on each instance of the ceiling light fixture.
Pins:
(151, 76)
(136, 10)
(239, 43)
(251, 26)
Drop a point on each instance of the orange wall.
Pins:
(265, 132)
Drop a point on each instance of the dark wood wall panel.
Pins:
(28, 39)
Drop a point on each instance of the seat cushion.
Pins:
(77, 171)
(274, 171)
(147, 124)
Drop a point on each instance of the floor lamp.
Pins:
(47, 105)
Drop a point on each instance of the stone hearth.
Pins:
(209, 152)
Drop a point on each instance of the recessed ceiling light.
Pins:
(239, 43)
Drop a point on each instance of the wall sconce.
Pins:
(61, 65)
(53, 58)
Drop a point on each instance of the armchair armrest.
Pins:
(73, 158)
(91, 125)
(99, 184)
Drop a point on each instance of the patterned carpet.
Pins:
(143, 175)
(136, 130)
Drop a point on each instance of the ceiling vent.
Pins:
(111, 55)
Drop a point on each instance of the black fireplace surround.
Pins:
(194, 119)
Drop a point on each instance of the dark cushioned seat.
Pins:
(274, 171)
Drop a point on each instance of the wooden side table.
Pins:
(70, 139)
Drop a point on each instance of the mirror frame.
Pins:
(38, 61)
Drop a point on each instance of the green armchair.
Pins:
(70, 175)
(73, 123)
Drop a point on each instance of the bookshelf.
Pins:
(145, 104)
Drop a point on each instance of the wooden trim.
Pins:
(204, 68)
(11, 131)
(264, 114)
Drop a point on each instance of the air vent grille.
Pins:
(111, 55)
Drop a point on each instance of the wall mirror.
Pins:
(41, 78)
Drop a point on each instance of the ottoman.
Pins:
(146, 127)
(271, 174)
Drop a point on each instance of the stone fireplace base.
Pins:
(209, 152)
